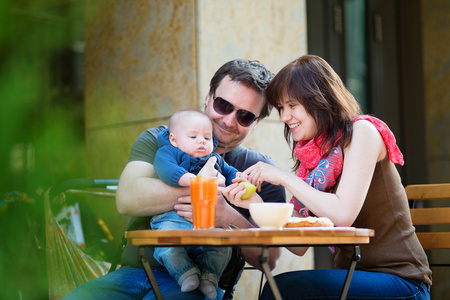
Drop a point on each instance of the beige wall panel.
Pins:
(273, 32)
(140, 60)
(268, 138)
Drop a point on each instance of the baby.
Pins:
(184, 148)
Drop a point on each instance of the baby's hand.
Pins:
(208, 170)
(240, 177)
(221, 180)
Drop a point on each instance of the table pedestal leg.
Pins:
(148, 270)
(351, 269)
(264, 261)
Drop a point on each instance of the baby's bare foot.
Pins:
(208, 289)
(190, 283)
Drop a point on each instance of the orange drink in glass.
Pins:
(204, 199)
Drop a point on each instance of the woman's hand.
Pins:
(261, 172)
(234, 193)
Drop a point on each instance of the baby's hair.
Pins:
(175, 118)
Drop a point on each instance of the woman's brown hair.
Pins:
(312, 82)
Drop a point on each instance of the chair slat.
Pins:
(430, 216)
(428, 191)
(434, 240)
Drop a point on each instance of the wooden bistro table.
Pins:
(301, 236)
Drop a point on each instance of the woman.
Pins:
(320, 115)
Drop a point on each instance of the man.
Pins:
(235, 104)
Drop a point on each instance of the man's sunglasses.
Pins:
(243, 117)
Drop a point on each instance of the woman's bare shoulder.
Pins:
(366, 135)
(364, 126)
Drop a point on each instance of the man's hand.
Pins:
(184, 208)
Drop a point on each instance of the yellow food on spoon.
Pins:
(250, 189)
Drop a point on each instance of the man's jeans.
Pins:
(132, 283)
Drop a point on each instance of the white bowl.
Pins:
(271, 215)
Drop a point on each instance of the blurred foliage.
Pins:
(42, 110)
(41, 129)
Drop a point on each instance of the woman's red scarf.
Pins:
(395, 156)
(309, 154)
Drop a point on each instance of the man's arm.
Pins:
(225, 215)
(139, 194)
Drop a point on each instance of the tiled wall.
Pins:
(140, 67)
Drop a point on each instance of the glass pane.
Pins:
(355, 53)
